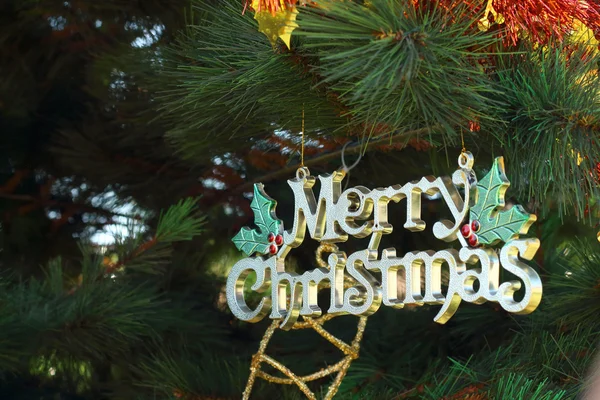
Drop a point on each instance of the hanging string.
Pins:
(347, 168)
(465, 161)
(302, 172)
(302, 145)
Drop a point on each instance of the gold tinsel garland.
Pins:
(350, 351)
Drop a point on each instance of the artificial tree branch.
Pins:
(385, 139)
(142, 248)
(14, 181)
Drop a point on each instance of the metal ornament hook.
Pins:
(466, 160)
(344, 165)
(302, 173)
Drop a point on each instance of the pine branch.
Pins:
(178, 223)
(575, 280)
(519, 387)
(104, 318)
(138, 251)
(402, 64)
(210, 377)
(553, 134)
(216, 93)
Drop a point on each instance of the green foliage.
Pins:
(208, 375)
(101, 318)
(401, 65)
(75, 374)
(139, 252)
(59, 329)
(216, 94)
(519, 387)
(180, 222)
(576, 284)
(552, 110)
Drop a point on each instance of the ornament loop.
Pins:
(302, 173)
(466, 160)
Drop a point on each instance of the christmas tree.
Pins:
(180, 110)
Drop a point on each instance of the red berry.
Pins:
(278, 240)
(475, 226)
(273, 249)
(473, 241)
(271, 237)
(465, 230)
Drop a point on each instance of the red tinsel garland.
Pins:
(546, 19)
(273, 6)
(540, 20)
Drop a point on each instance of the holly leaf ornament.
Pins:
(495, 224)
(267, 237)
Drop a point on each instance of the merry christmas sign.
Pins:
(479, 220)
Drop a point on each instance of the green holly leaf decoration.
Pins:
(257, 240)
(495, 223)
